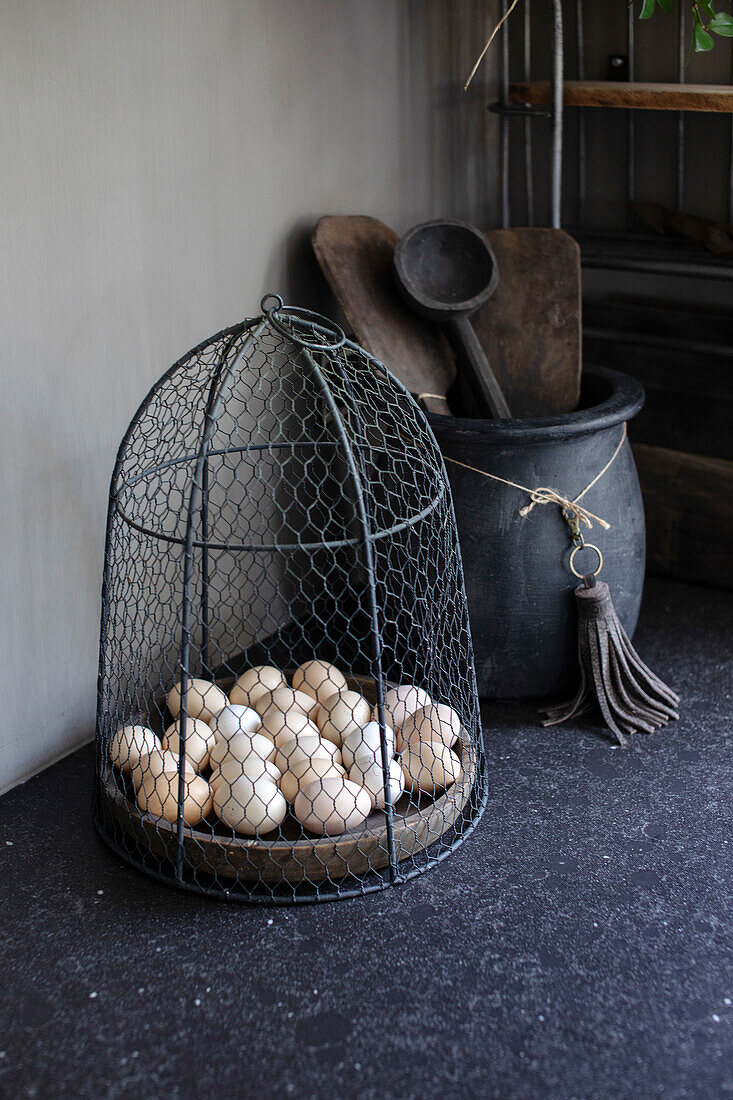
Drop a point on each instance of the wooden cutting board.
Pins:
(355, 254)
(530, 328)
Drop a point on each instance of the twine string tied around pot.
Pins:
(613, 677)
(573, 511)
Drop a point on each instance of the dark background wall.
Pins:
(707, 137)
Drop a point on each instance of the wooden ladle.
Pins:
(445, 271)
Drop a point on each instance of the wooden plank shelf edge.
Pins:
(687, 499)
(637, 96)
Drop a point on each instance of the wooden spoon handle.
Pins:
(482, 376)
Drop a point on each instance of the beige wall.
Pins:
(162, 163)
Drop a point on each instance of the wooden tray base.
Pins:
(295, 856)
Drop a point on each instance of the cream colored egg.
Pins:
(305, 749)
(365, 744)
(129, 743)
(430, 767)
(158, 795)
(283, 726)
(233, 719)
(401, 702)
(256, 682)
(341, 713)
(203, 700)
(250, 806)
(332, 806)
(199, 741)
(157, 762)
(319, 679)
(286, 699)
(254, 767)
(435, 722)
(240, 747)
(305, 772)
(370, 776)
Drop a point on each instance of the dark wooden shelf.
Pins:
(648, 253)
(643, 97)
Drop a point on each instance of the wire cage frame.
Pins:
(287, 705)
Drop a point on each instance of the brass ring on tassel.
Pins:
(585, 546)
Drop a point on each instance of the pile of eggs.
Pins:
(312, 746)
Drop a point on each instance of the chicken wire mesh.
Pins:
(287, 706)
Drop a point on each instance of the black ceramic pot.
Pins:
(519, 585)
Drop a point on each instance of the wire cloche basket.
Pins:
(287, 705)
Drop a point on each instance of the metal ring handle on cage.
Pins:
(313, 322)
(585, 546)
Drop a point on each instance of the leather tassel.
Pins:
(612, 675)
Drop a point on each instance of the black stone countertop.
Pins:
(578, 945)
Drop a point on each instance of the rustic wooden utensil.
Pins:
(355, 254)
(531, 328)
(446, 271)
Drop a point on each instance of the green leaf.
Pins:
(666, 6)
(703, 40)
(648, 9)
(722, 24)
